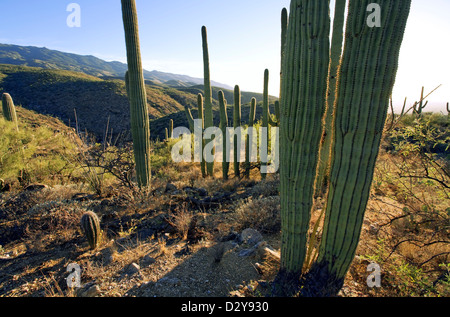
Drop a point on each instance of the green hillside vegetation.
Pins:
(41, 151)
(92, 104)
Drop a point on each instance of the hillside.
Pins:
(94, 103)
(51, 59)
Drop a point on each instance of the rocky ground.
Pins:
(222, 251)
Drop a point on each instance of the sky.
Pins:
(244, 39)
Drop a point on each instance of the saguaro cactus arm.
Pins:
(335, 57)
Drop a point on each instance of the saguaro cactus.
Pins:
(420, 105)
(90, 224)
(223, 127)
(9, 110)
(140, 124)
(366, 78)
(236, 125)
(249, 138)
(209, 120)
(171, 128)
(302, 107)
(265, 120)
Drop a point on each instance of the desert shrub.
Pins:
(262, 214)
(36, 151)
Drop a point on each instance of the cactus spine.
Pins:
(140, 125)
(9, 110)
(236, 125)
(335, 57)
(302, 108)
(249, 137)
(208, 119)
(366, 78)
(90, 224)
(223, 127)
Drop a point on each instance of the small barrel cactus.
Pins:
(90, 224)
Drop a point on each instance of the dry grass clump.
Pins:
(182, 220)
(262, 214)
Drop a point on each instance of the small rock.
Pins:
(90, 291)
(170, 188)
(374, 228)
(170, 281)
(251, 236)
(147, 261)
(35, 187)
(132, 269)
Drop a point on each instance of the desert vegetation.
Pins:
(139, 224)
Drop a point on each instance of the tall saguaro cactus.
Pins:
(265, 121)
(9, 110)
(140, 124)
(209, 120)
(223, 127)
(302, 107)
(236, 125)
(366, 79)
(249, 138)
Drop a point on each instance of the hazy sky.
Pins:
(244, 39)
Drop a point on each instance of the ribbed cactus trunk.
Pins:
(209, 119)
(335, 57)
(140, 125)
(9, 110)
(249, 138)
(223, 127)
(265, 122)
(302, 107)
(236, 125)
(366, 79)
(201, 116)
(171, 128)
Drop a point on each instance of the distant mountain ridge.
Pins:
(32, 56)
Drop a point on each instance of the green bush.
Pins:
(36, 151)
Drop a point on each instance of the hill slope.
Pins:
(93, 104)
(51, 59)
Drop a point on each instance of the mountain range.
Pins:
(51, 59)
